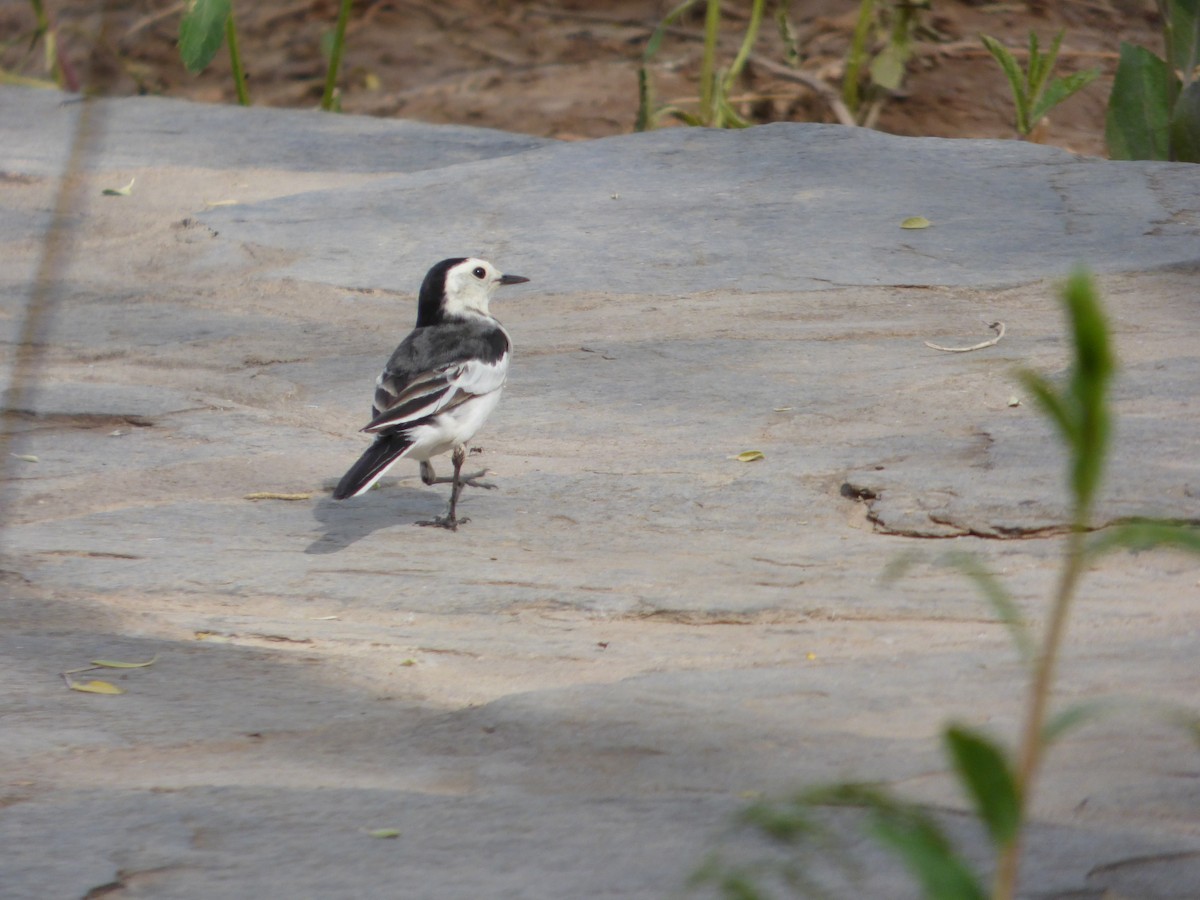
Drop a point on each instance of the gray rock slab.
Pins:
(573, 694)
(749, 211)
(150, 132)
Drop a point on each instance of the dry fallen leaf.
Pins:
(272, 495)
(748, 456)
(95, 687)
(120, 192)
(385, 833)
(114, 664)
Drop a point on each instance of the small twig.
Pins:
(153, 18)
(997, 327)
(820, 87)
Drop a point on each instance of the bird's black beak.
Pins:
(513, 279)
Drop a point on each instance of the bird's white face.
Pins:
(469, 287)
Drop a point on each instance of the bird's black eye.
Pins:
(478, 272)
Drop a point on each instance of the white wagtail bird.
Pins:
(441, 383)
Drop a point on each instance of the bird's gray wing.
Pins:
(430, 374)
(430, 393)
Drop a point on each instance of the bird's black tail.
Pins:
(379, 457)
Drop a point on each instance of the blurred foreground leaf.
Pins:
(984, 770)
(202, 32)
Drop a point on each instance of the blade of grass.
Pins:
(235, 61)
(335, 55)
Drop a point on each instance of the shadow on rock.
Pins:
(347, 521)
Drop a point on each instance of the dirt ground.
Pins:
(568, 69)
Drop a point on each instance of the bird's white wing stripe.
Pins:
(478, 377)
(475, 378)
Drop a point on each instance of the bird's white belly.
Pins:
(450, 429)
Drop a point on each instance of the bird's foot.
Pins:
(450, 523)
(472, 480)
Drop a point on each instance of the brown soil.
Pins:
(568, 69)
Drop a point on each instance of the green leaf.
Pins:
(1052, 404)
(887, 69)
(915, 223)
(1040, 66)
(1059, 90)
(984, 771)
(786, 824)
(656, 37)
(1072, 717)
(924, 849)
(1093, 369)
(1185, 125)
(998, 596)
(202, 31)
(914, 836)
(1016, 79)
(681, 115)
(1139, 108)
(1182, 33)
(1144, 534)
(385, 833)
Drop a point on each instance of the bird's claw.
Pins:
(447, 522)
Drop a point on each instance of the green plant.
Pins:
(1154, 107)
(998, 782)
(894, 25)
(329, 99)
(55, 62)
(1034, 93)
(714, 106)
(870, 78)
(207, 24)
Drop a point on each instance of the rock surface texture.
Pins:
(574, 694)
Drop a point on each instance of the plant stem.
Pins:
(335, 55)
(235, 61)
(712, 24)
(857, 55)
(739, 62)
(1029, 757)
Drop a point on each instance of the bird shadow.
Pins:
(346, 521)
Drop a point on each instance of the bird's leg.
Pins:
(458, 480)
(427, 474)
(460, 454)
